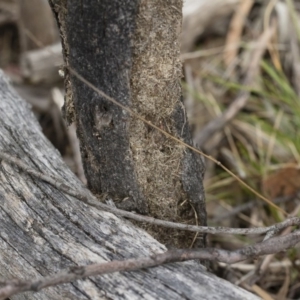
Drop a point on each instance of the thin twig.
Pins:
(221, 49)
(246, 206)
(235, 30)
(12, 287)
(263, 262)
(88, 198)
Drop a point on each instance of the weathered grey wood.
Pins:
(42, 65)
(42, 230)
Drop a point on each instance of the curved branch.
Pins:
(270, 246)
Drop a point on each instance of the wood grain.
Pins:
(44, 231)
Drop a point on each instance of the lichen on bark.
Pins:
(162, 164)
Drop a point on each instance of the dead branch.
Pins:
(274, 245)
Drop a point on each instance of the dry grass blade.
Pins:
(241, 100)
(259, 291)
(235, 31)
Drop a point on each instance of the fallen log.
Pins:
(44, 230)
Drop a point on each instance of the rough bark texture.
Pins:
(129, 50)
(43, 230)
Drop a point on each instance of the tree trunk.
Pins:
(44, 230)
(130, 50)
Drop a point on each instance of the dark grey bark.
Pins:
(106, 64)
(129, 50)
(44, 230)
